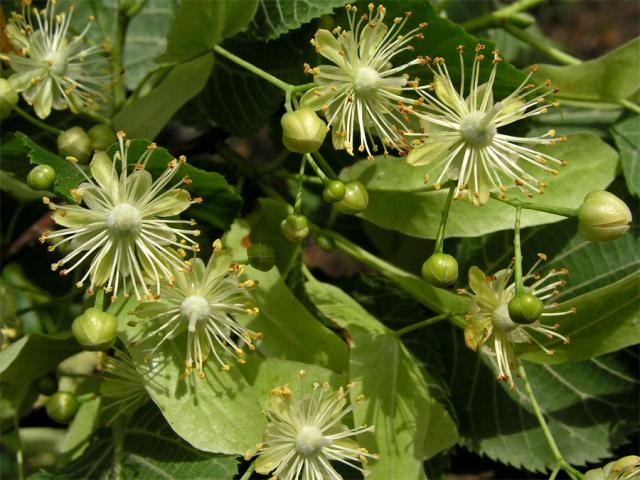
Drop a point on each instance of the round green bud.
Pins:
(625, 465)
(261, 256)
(62, 407)
(595, 474)
(95, 330)
(325, 243)
(303, 131)
(355, 198)
(41, 177)
(525, 308)
(75, 143)
(47, 385)
(295, 227)
(603, 217)
(440, 270)
(333, 191)
(8, 98)
(101, 136)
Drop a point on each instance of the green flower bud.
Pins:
(101, 136)
(41, 177)
(595, 474)
(525, 308)
(440, 270)
(8, 98)
(603, 217)
(62, 407)
(95, 330)
(624, 465)
(355, 198)
(261, 256)
(325, 243)
(334, 191)
(303, 131)
(47, 385)
(295, 227)
(75, 143)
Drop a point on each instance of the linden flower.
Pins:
(202, 301)
(359, 94)
(304, 435)
(488, 317)
(460, 134)
(53, 71)
(122, 385)
(123, 225)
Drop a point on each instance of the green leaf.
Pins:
(290, 331)
(264, 374)
(67, 176)
(607, 319)
(81, 429)
(397, 199)
(199, 26)
(275, 17)
(146, 39)
(410, 426)
(612, 77)
(221, 201)
(32, 356)
(219, 413)
(150, 451)
(627, 137)
(589, 406)
(146, 116)
(18, 189)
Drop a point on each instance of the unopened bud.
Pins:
(95, 330)
(75, 143)
(101, 136)
(41, 177)
(440, 270)
(603, 217)
(62, 407)
(355, 198)
(303, 131)
(525, 308)
(295, 227)
(333, 191)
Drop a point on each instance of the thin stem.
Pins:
(423, 323)
(253, 69)
(325, 165)
(297, 206)
(99, 303)
(561, 462)
(19, 453)
(118, 440)
(302, 88)
(38, 123)
(12, 223)
(541, 44)
(117, 58)
(247, 475)
(514, 202)
(315, 167)
(630, 105)
(443, 220)
(555, 471)
(500, 16)
(518, 253)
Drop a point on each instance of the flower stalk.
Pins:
(516, 203)
(439, 248)
(518, 253)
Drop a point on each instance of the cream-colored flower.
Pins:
(203, 301)
(360, 93)
(304, 435)
(488, 320)
(123, 224)
(460, 133)
(54, 69)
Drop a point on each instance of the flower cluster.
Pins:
(54, 69)
(124, 227)
(304, 435)
(202, 300)
(488, 319)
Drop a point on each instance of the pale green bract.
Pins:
(123, 229)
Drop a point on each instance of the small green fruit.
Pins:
(333, 191)
(303, 131)
(603, 217)
(261, 256)
(355, 198)
(95, 330)
(101, 136)
(47, 385)
(440, 270)
(75, 143)
(62, 407)
(525, 308)
(8, 98)
(295, 227)
(41, 177)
